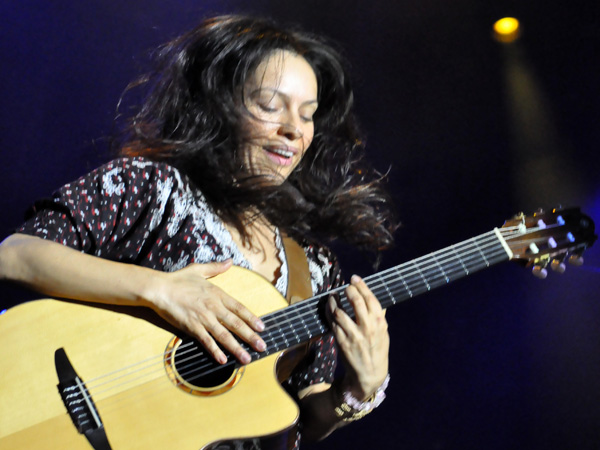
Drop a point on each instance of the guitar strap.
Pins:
(299, 285)
(299, 288)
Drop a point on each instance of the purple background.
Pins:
(473, 131)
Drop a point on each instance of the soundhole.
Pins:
(194, 371)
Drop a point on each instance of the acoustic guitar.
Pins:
(81, 376)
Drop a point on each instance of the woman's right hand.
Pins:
(188, 301)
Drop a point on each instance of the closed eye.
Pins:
(266, 108)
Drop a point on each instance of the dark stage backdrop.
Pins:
(472, 132)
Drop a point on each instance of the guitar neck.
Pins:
(303, 321)
(437, 269)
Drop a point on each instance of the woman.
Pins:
(246, 136)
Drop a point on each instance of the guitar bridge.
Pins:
(79, 402)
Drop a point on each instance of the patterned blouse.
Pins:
(142, 212)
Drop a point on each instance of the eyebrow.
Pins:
(278, 92)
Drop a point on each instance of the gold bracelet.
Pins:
(352, 409)
(347, 414)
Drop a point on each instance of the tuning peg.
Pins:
(576, 260)
(558, 266)
(539, 272)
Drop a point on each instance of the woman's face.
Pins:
(281, 97)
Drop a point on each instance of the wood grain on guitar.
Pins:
(148, 387)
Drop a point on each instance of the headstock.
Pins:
(548, 236)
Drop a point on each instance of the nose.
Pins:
(290, 130)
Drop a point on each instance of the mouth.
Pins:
(280, 155)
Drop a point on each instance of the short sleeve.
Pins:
(110, 212)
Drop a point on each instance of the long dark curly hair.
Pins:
(191, 118)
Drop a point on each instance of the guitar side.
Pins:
(152, 412)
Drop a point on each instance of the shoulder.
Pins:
(133, 166)
(137, 174)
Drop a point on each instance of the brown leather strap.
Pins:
(299, 285)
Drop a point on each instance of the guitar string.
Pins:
(473, 240)
(277, 344)
(426, 274)
(146, 390)
(375, 287)
(122, 398)
(341, 288)
(316, 328)
(320, 330)
(490, 256)
(507, 235)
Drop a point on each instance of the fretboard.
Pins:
(305, 320)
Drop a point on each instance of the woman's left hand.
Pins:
(364, 342)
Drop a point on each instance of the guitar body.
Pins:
(141, 407)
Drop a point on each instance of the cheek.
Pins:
(255, 128)
(309, 134)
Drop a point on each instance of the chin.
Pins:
(270, 175)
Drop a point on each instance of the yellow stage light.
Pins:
(506, 30)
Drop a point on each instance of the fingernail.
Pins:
(222, 359)
(245, 358)
(355, 279)
(259, 325)
(260, 345)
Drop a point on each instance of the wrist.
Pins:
(362, 388)
(151, 286)
(350, 408)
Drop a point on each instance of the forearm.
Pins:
(364, 346)
(320, 408)
(325, 410)
(57, 270)
(185, 298)
(317, 413)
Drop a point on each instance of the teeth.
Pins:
(284, 153)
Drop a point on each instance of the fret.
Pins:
(387, 288)
(413, 280)
(443, 272)
(400, 283)
(285, 340)
(471, 259)
(305, 327)
(406, 287)
(422, 276)
(322, 326)
(293, 328)
(487, 263)
(449, 263)
(498, 253)
(381, 289)
(435, 273)
(466, 270)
